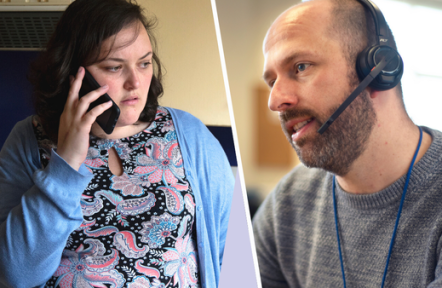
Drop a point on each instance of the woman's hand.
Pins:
(76, 122)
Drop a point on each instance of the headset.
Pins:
(378, 66)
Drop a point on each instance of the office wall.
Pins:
(189, 51)
(243, 26)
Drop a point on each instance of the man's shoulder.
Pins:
(301, 180)
(302, 188)
(431, 162)
(297, 198)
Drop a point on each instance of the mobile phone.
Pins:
(108, 119)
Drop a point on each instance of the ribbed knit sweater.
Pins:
(296, 237)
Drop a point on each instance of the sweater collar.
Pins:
(425, 172)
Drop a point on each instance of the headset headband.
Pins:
(379, 21)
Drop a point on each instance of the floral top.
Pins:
(138, 228)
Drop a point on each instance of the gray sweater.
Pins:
(296, 238)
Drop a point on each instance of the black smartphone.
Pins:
(108, 119)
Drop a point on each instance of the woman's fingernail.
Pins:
(105, 86)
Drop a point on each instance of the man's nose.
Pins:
(282, 96)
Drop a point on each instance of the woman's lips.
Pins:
(130, 101)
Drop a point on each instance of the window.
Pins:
(417, 33)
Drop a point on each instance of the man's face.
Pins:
(309, 78)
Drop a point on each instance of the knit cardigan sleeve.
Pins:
(39, 208)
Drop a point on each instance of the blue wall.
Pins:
(15, 90)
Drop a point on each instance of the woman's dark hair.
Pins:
(77, 41)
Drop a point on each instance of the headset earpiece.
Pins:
(389, 76)
(372, 55)
(379, 66)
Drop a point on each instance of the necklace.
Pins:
(397, 218)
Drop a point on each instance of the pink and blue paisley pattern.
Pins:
(158, 229)
(138, 228)
(88, 267)
(180, 263)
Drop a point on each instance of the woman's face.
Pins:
(127, 69)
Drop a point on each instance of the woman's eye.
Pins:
(145, 64)
(113, 69)
(301, 67)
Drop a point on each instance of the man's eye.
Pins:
(301, 67)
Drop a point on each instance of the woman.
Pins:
(144, 206)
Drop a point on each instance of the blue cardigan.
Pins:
(34, 227)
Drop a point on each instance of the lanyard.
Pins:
(397, 218)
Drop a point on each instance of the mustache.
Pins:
(295, 113)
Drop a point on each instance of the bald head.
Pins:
(311, 15)
(341, 20)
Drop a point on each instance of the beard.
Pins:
(342, 143)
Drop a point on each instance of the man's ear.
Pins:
(373, 93)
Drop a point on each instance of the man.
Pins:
(310, 57)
